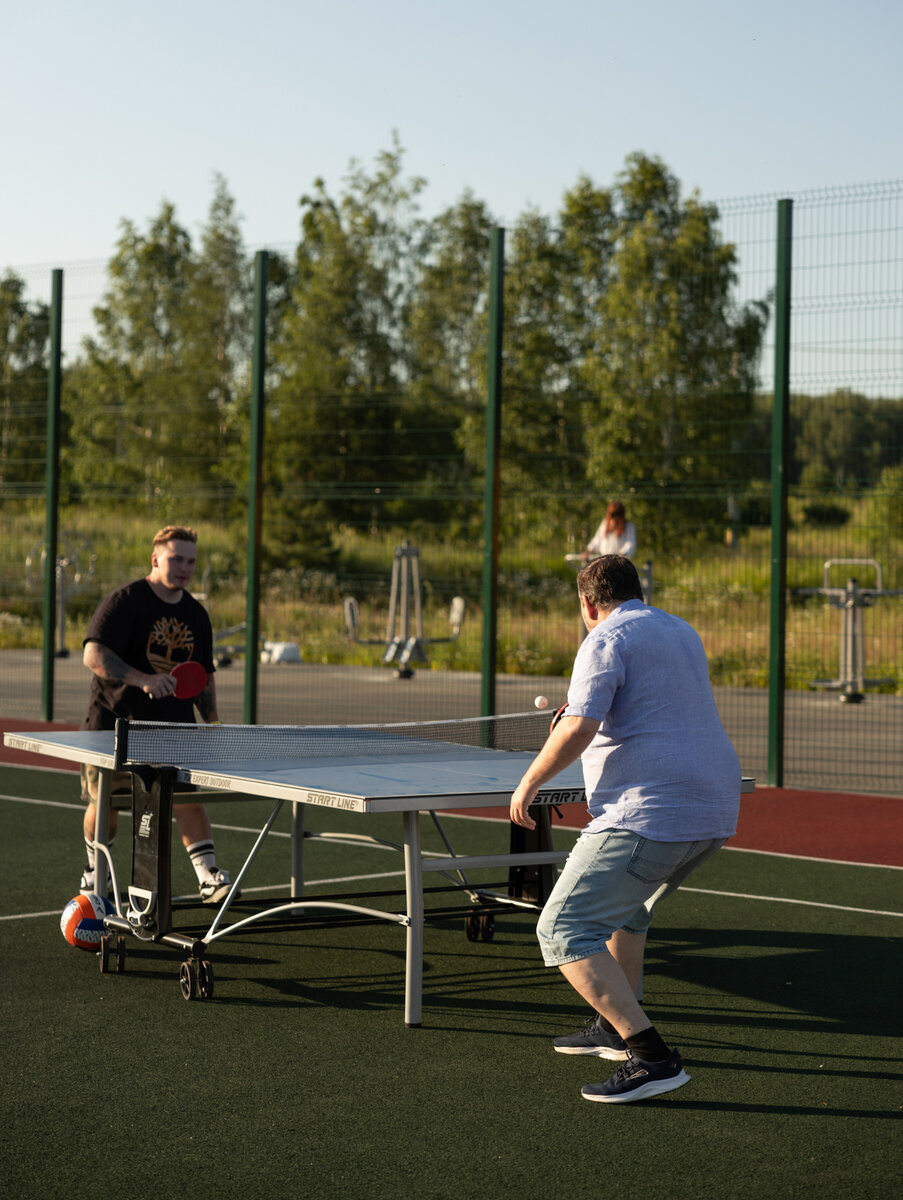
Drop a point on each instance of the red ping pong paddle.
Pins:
(191, 679)
(557, 717)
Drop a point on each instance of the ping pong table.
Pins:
(412, 770)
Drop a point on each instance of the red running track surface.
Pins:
(833, 825)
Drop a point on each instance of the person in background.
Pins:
(616, 535)
(138, 634)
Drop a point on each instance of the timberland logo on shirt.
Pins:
(144, 829)
(169, 643)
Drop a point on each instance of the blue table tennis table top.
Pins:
(415, 778)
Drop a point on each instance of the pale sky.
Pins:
(110, 108)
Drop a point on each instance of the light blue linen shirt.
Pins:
(661, 764)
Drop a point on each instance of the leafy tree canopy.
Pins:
(630, 370)
(24, 339)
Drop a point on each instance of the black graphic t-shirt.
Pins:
(151, 636)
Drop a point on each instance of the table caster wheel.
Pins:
(487, 927)
(472, 927)
(105, 953)
(188, 980)
(205, 980)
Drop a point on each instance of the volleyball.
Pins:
(82, 920)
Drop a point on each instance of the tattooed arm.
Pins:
(106, 664)
(205, 703)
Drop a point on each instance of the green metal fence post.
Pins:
(780, 451)
(491, 501)
(255, 488)
(52, 492)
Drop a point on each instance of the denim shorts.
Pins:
(612, 880)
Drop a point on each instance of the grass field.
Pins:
(778, 978)
(724, 593)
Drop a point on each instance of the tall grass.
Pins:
(723, 591)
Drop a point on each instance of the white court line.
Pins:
(457, 816)
(870, 912)
(48, 803)
(26, 916)
(873, 912)
(838, 862)
(273, 887)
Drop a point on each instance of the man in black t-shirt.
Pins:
(138, 634)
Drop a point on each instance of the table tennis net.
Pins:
(169, 744)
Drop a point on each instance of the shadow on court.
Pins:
(805, 985)
(810, 983)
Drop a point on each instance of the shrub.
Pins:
(825, 513)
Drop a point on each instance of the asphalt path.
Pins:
(828, 744)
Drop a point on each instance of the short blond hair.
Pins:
(174, 533)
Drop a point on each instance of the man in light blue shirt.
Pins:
(663, 788)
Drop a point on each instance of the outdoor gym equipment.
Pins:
(852, 600)
(75, 564)
(404, 641)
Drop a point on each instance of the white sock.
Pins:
(92, 853)
(203, 859)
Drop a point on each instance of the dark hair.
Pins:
(609, 580)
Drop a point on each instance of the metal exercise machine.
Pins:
(404, 641)
(852, 600)
(75, 565)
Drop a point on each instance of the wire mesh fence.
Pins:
(844, 616)
(638, 366)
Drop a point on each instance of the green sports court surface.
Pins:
(777, 976)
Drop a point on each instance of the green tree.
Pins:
(127, 421)
(217, 349)
(155, 396)
(24, 336)
(345, 442)
(541, 438)
(447, 336)
(840, 436)
(673, 369)
(589, 227)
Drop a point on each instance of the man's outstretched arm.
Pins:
(565, 744)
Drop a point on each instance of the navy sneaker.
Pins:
(638, 1080)
(592, 1039)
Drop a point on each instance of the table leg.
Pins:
(102, 831)
(298, 815)
(413, 875)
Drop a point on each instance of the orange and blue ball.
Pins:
(82, 920)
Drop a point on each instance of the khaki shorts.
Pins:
(121, 784)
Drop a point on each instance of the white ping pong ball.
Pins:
(541, 702)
